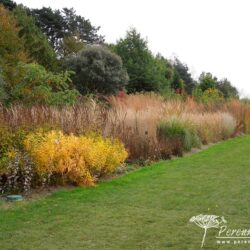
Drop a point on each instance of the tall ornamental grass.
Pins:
(134, 119)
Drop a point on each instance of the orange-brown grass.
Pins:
(138, 116)
(132, 118)
(241, 111)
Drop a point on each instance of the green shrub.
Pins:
(177, 135)
(209, 96)
(3, 92)
(39, 86)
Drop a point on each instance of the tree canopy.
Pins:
(207, 81)
(8, 4)
(183, 76)
(146, 72)
(11, 45)
(35, 42)
(58, 24)
(226, 88)
(49, 41)
(36, 85)
(97, 70)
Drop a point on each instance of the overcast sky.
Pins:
(208, 35)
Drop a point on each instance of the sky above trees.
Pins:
(208, 35)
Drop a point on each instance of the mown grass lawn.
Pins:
(146, 209)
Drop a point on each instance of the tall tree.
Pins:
(164, 71)
(183, 72)
(207, 81)
(58, 24)
(8, 4)
(177, 84)
(3, 93)
(35, 42)
(11, 45)
(226, 88)
(139, 62)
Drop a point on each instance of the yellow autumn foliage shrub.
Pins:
(79, 158)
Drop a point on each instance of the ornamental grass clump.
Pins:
(77, 159)
(176, 136)
(211, 127)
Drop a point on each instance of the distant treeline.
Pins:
(56, 56)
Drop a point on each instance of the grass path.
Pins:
(146, 209)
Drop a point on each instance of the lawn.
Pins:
(146, 209)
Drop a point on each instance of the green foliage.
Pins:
(207, 81)
(183, 76)
(3, 93)
(245, 100)
(29, 83)
(179, 135)
(226, 88)
(11, 45)
(97, 70)
(35, 42)
(58, 24)
(39, 86)
(209, 96)
(72, 45)
(8, 4)
(216, 89)
(145, 72)
(177, 84)
(197, 94)
(164, 73)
